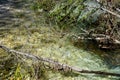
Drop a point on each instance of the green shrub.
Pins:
(70, 13)
(46, 5)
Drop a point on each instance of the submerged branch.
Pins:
(56, 65)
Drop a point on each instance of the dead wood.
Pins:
(103, 40)
(113, 13)
(56, 65)
(109, 11)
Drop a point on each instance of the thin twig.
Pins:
(57, 65)
(97, 37)
(113, 13)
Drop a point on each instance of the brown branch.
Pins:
(97, 37)
(57, 65)
(103, 41)
(113, 13)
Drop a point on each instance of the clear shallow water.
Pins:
(46, 41)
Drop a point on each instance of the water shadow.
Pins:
(110, 57)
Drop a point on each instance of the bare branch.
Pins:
(57, 65)
(113, 13)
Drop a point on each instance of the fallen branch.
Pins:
(107, 41)
(57, 65)
(98, 37)
(103, 41)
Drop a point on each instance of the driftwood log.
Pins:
(55, 64)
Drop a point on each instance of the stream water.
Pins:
(23, 30)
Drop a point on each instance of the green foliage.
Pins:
(70, 13)
(67, 12)
(46, 5)
(18, 74)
